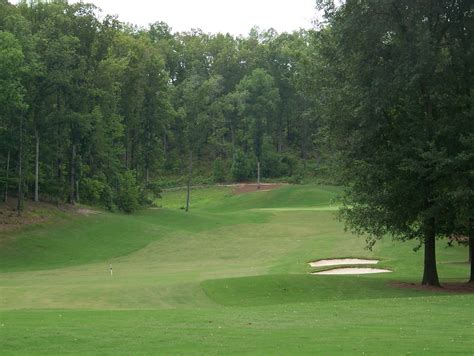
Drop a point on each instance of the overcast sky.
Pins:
(234, 16)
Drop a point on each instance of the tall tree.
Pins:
(12, 105)
(258, 109)
(389, 67)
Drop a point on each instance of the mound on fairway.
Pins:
(342, 261)
(347, 271)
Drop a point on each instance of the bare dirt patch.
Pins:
(253, 187)
(342, 261)
(35, 213)
(450, 287)
(348, 271)
(87, 212)
(9, 219)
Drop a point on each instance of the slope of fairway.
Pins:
(282, 198)
(230, 276)
(221, 200)
(100, 238)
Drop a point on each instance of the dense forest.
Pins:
(104, 112)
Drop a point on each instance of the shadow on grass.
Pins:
(300, 288)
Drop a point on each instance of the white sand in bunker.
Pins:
(342, 261)
(348, 270)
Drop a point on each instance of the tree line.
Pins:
(96, 110)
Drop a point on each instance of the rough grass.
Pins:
(229, 277)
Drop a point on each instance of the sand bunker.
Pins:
(346, 271)
(342, 261)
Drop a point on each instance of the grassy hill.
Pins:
(229, 277)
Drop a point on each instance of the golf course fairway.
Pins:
(231, 276)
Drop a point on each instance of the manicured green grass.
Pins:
(200, 197)
(229, 277)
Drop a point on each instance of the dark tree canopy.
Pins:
(398, 104)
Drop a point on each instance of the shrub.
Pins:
(128, 196)
(291, 165)
(107, 198)
(271, 164)
(154, 188)
(219, 173)
(149, 193)
(241, 167)
(91, 190)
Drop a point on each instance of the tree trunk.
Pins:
(5, 198)
(430, 274)
(471, 248)
(258, 174)
(281, 135)
(232, 138)
(72, 176)
(288, 130)
(148, 146)
(188, 186)
(58, 168)
(128, 149)
(165, 145)
(77, 191)
(19, 206)
(37, 166)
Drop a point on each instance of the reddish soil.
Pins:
(450, 287)
(253, 187)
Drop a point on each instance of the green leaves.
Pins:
(12, 66)
(99, 98)
(395, 107)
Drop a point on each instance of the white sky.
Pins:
(233, 16)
